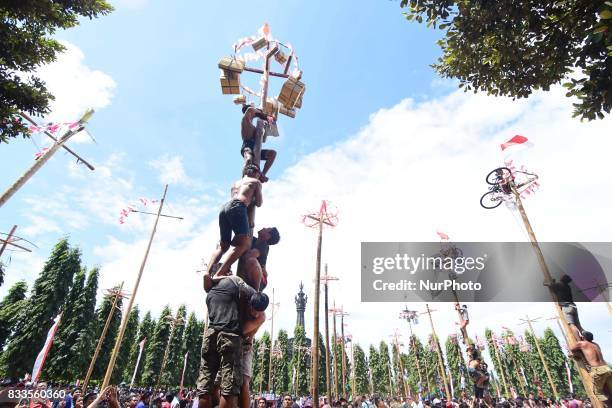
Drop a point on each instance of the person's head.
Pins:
(588, 336)
(88, 399)
(261, 402)
(287, 401)
(270, 235)
(251, 170)
(566, 278)
(249, 108)
(145, 396)
(259, 301)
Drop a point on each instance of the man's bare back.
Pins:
(591, 352)
(247, 190)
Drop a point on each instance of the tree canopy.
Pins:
(513, 48)
(26, 29)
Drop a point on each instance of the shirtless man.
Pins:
(233, 217)
(248, 132)
(601, 373)
(477, 374)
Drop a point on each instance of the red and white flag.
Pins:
(515, 140)
(140, 348)
(42, 356)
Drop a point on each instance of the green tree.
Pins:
(512, 48)
(47, 297)
(299, 362)
(362, 383)
(416, 374)
(280, 363)
(255, 379)
(82, 348)
(555, 359)
(11, 308)
(111, 335)
(322, 373)
(263, 356)
(536, 368)
(397, 369)
(380, 379)
(128, 341)
(26, 30)
(431, 368)
(157, 348)
(192, 343)
(456, 363)
(56, 366)
(176, 356)
(146, 329)
(514, 363)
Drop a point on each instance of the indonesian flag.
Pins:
(569, 378)
(42, 356)
(516, 140)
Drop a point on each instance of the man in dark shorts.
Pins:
(563, 292)
(252, 266)
(233, 217)
(249, 132)
(222, 344)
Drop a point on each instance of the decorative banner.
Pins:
(40, 153)
(52, 127)
(443, 236)
(132, 207)
(569, 378)
(42, 356)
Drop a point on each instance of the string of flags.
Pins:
(123, 214)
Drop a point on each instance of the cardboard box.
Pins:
(290, 92)
(231, 64)
(271, 107)
(230, 83)
(280, 57)
(240, 100)
(259, 43)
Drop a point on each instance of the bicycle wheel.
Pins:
(490, 200)
(499, 174)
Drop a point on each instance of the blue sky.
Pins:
(378, 129)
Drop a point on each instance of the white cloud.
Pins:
(76, 87)
(412, 170)
(171, 170)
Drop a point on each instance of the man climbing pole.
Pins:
(477, 371)
(249, 133)
(563, 292)
(233, 217)
(252, 266)
(600, 372)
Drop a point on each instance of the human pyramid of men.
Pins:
(235, 302)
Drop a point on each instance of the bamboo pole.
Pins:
(43, 159)
(327, 362)
(8, 238)
(315, 335)
(174, 321)
(335, 353)
(546, 369)
(353, 389)
(439, 354)
(126, 316)
(271, 344)
(584, 375)
(401, 364)
(109, 318)
(343, 366)
(501, 366)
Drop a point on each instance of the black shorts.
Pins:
(233, 217)
(478, 392)
(248, 146)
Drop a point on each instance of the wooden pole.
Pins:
(109, 318)
(335, 353)
(173, 322)
(584, 375)
(416, 356)
(343, 353)
(42, 160)
(353, 389)
(501, 366)
(548, 375)
(271, 344)
(261, 376)
(8, 238)
(126, 316)
(519, 374)
(315, 335)
(327, 363)
(401, 365)
(183, 373)
(439, 354)
(390, 379)
(79, 158)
